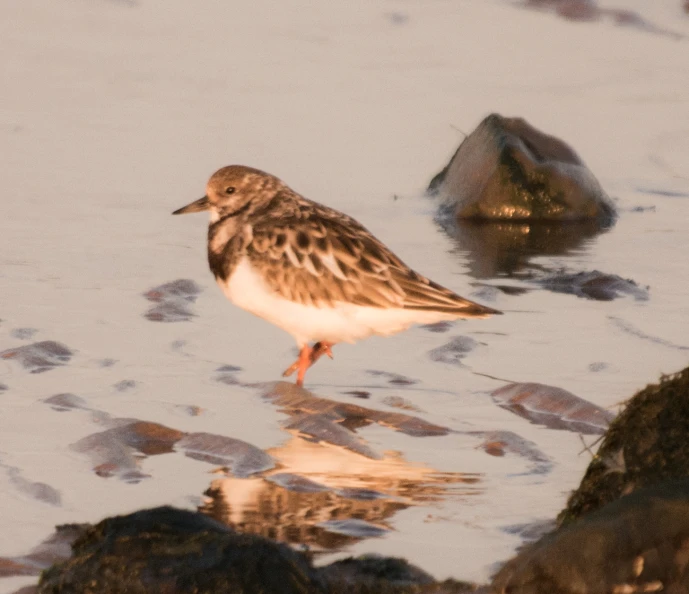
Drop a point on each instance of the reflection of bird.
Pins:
(311, 270)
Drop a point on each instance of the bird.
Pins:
(311, 270)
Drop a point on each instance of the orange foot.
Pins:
(307, 357)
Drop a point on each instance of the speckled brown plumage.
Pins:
(274, 251)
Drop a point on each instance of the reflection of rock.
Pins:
(176, 551)
(594, 285)
(553, 407)
(639, 543)
(645, 445)
(505, 248)
(39, 356)
(172, 301)
(507, 170)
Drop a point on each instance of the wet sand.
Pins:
(108, 129)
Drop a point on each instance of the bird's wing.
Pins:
(323, 257)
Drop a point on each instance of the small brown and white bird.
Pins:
(311, 270)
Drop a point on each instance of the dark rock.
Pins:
(639, 543)
(553, 407)
(594, 285)
(176, 551)
(507, 170)
(505, 248)
(39, 356)
(645, 445)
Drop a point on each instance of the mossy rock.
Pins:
(647, 444)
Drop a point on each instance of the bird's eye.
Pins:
(229, 190)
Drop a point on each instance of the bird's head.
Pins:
(234, 190)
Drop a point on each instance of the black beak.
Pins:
(197, 206)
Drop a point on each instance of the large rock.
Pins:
(646, 444)
(639, 543)
(176, 551)
(507, 170)
(626, 528)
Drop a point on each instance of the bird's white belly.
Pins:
(344, 322)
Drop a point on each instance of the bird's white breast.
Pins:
(345, 322)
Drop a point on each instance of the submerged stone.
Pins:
(594, 285)
(553, 407)
(39, 356)
(172, 301)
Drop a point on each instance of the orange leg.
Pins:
(307, 357)
(304, 363)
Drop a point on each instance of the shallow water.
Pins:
(109, 128)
